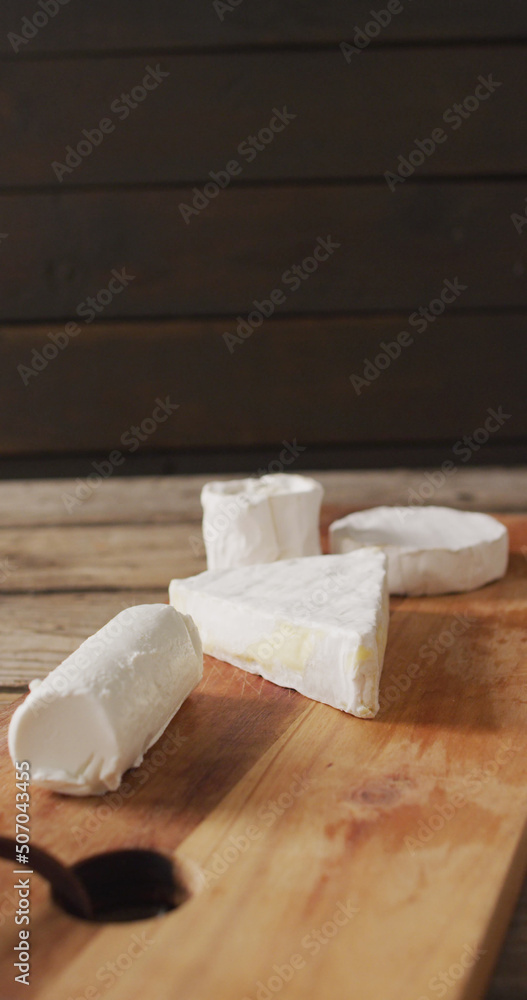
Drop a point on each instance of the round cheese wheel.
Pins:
(431, 550)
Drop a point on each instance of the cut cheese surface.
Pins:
(430, 550)
(247, 521)
(316, 624)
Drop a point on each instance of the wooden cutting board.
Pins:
(327, 856)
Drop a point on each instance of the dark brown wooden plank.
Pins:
(275, 386)
(510, 975)
(350, 125)
(131, 24)
(395, 249)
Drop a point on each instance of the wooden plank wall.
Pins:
(131, 202)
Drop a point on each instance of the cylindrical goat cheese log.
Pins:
(248, 521)
(100, 710)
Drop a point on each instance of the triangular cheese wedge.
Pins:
(317, 624)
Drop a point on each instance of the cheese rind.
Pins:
(100, 710)
(247, 521)
(316, 624)
(430, 550)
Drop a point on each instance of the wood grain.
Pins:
(129, 25)
(356, 100)
(8, 697)
(224, 397)
(369, 787)
(145, 802)
(395, 249)
(143, 499)
(39, 630)
(103, 557)
(175, 499)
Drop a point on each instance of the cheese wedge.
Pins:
(316, 624)
(97, 713)
(248, 521)
(430, 550)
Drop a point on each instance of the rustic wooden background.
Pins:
(324, 174)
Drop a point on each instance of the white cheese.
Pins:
(431, 550)
(97, 713)
(316, 624)
(248, 521)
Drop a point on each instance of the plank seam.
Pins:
(254, 48)
(361, 180)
